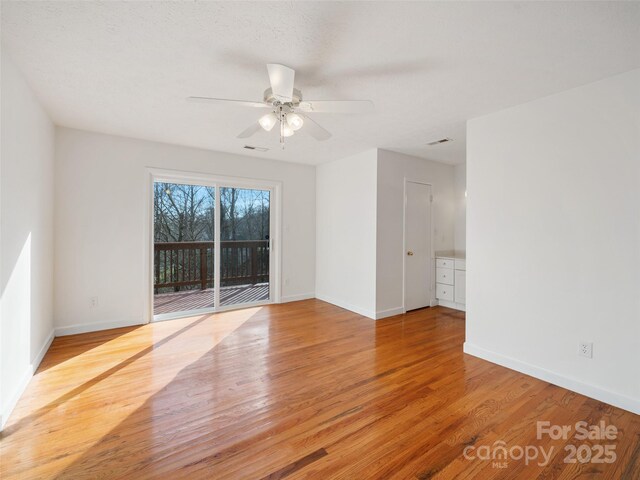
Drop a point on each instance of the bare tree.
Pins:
(183, 212)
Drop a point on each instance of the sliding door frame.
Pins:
(216, 181)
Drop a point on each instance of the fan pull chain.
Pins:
(281, 128)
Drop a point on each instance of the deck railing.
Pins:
(185, 265)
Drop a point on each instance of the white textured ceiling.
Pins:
(125, 67)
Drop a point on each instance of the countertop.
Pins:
(455, 254)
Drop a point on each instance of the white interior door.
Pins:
(417, 234)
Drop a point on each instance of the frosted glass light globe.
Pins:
(295, 121)
(268, 121)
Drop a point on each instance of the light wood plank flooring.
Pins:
(300, 390)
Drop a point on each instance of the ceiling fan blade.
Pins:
(316, 131)
(241, 103)
(253, 129)
(336, 106)
(281, 79)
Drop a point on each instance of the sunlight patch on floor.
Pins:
(90, 380)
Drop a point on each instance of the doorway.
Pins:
(418, 285)
(212, 244)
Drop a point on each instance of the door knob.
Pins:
(410, 253)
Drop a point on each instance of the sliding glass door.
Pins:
(244, 245)
(211, 247)
(184, 229)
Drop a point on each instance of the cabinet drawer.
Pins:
(444, 262)
(460, 264)
(444, 292)
(444, 275)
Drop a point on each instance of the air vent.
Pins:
(438, 142)
(259, 149)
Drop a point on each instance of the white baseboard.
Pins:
(389, 312)
(298, 297)
(454, 305)
(43, 351)
(606, 396)
(354, 308)
(95, 327)
(359, 310)
(24, 381)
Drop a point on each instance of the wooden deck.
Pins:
(197, 299)
(297, 390)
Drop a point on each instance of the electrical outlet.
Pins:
(93, 302)
(585, 349)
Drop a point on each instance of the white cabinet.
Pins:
(451, 280)
(461, 286)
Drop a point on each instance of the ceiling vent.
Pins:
(259, 149)
(438, 142)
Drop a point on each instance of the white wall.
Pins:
(100, 211)
(553, 250)
(393, 168)
(360, 209)
(346, 232)
(460, 187)
(26, 235)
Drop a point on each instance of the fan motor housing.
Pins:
(272, 100)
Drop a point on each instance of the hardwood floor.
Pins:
(301, 390)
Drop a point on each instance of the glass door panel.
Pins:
(183, 260)
(244, 245)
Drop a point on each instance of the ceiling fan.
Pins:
(287, 107)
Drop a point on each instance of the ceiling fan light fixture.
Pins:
(282, 100)
(295, 121)
(268, 121)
